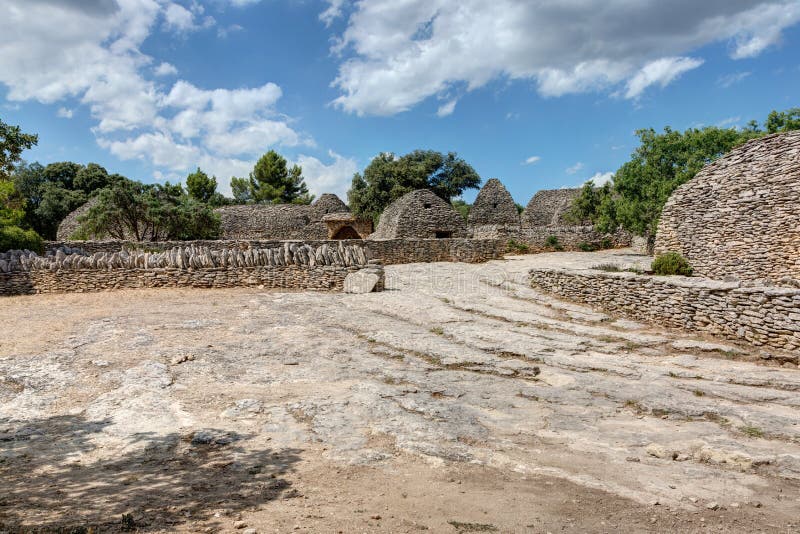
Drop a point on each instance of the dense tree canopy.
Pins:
(273, 182)
(152, 212)
(389, 177)
(662, 162)
(12, 142)
(203, 188)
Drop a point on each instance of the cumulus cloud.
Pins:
(65, 113)
(659, 72)
(531, 160)
(165, 69)
(92, 51)
(446, 109)
(601, 178)
(332, 178)
(333, 11)
(575, 168)
(396, 54)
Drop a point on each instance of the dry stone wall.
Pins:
(391, 251)
(768, 316)
(571, 238)
(420, 214)
(549, 208)
(292, 265)
(739, 217)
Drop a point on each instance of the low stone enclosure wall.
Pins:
(290, 266)
(768, 316)
(390, 251)
(570, 238)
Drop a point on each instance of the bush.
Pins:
(552, 242)
(587, 247)
(14, 237)
(516, 246)
(606, 243)
(671, 263)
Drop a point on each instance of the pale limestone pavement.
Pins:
(452, 363)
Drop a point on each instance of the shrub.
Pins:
(671, 263)
(587, 247)
(608, 267)
(519, 248)
(14, 237)
(606, 243)
(552, 242)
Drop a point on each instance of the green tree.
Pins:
(132, 210)
(93, 177)
(12, 142)
(272, 181)
(462, 208)
(389, 177)
(56, 203)
(783, 121)
(200, 186)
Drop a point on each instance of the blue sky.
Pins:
(154, 88)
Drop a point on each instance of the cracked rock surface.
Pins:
(189, 409)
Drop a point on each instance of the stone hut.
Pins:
(420, 214)
(494, 213)
(70, 223)
(548, 207)
(740, 215)
(279, 221)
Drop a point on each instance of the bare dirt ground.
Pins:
(459, 400)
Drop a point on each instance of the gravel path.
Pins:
(190, 409)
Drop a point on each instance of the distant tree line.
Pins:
(635, 196)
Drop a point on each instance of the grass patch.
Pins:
(472, 527)
(516, 246)
(587, 247)
(438, 330)
(552, 243)
(752, 431)
(698, 393)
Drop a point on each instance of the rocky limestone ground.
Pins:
(459, 400)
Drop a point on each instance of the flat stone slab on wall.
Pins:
(768, 316)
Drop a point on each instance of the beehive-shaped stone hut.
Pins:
(279, 221)
(70, 223)
(740, 215)
(494, 212)
(548, 208)
(420, 214)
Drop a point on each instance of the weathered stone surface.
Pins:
(548, 208)
(738, 217)
(360, 282)
(494, 213)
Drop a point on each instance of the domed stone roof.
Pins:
(420, 214)
(740, 215)
(493, 205)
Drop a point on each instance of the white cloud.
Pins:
(447, 108)
(223, 33)
(732, 79)
(659, 72)
(575, 168)
(165, 69)
(397, 54)
(91, 51)
(333, 178)
(180, 19)
(531, 160)
(332, 12)
(65, 113)
(243, 3)
(601, 178)
(730, 121)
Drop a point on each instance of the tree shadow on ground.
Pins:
(55, 478)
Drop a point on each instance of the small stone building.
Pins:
(420, 214)
(347, 226)
(494, 213)
(548, 208)
(740, 215)
(279, 221)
